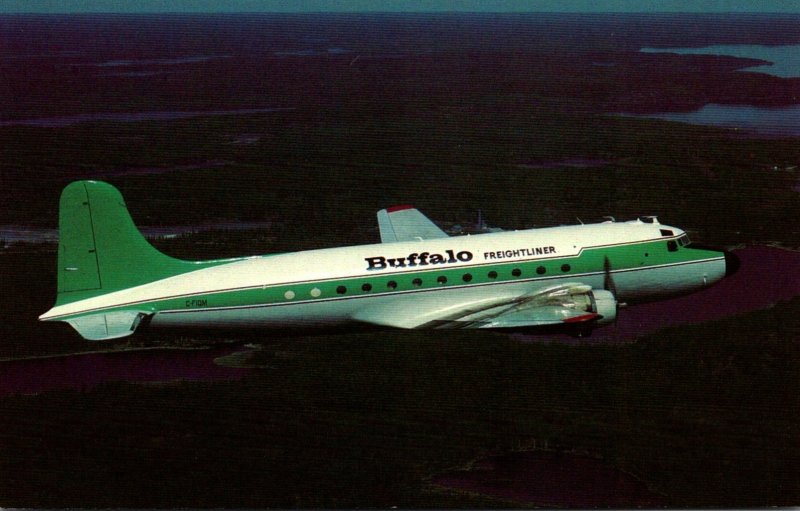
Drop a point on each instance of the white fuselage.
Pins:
(334, 286)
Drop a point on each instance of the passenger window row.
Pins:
(417, 282)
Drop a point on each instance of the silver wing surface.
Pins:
(569, 303)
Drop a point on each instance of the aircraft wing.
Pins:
(406, 223)
(562, 304)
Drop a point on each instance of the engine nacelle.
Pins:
(605, 304)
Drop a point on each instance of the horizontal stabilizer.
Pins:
(406, 223)
(107, 325)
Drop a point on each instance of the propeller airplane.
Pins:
(111, 281)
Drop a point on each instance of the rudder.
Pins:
(77, 253)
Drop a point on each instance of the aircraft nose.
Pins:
(732, 263)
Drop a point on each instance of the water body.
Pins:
(553, 479)
(12, 233)
(782, 121)
(783, 61)
(161, 62)
(311, 52)
(87, 371)
(69, 120)
(139, 74)
(757, 285)
(170, 231)
(577, 162)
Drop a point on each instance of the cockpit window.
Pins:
(684, 240)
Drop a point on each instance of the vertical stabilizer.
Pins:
(100, 250)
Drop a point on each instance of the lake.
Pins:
(784, 61)
(552, 479)
(783, 121)
(755, 286)
(69, 120)
(88, 370)
(31, 234)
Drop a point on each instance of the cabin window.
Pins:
(672, 246)
(391, 284)
(316, 292)
(565, 268)
(442, 279)
(684, 240)
(341, 290)
(467, 277)
(540, 270)
(666, 232)
(492, 274)
(417, 282)
(366, 287)
(289, 295)
(516, 272)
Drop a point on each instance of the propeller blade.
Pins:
(608, 280)
(608, 285)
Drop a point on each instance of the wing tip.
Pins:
(401, 207)
(582, 318)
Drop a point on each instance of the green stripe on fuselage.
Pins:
(591, 261)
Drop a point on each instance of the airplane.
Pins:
(111, 280)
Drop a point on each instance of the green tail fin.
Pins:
(100, 249)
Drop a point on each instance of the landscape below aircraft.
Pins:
(112, 281)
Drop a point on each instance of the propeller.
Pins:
(608, 280)
(608, 285)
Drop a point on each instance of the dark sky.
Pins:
(141, 6)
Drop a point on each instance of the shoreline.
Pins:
(121, 350)
(500, 476)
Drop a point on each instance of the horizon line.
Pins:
(2, 13)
